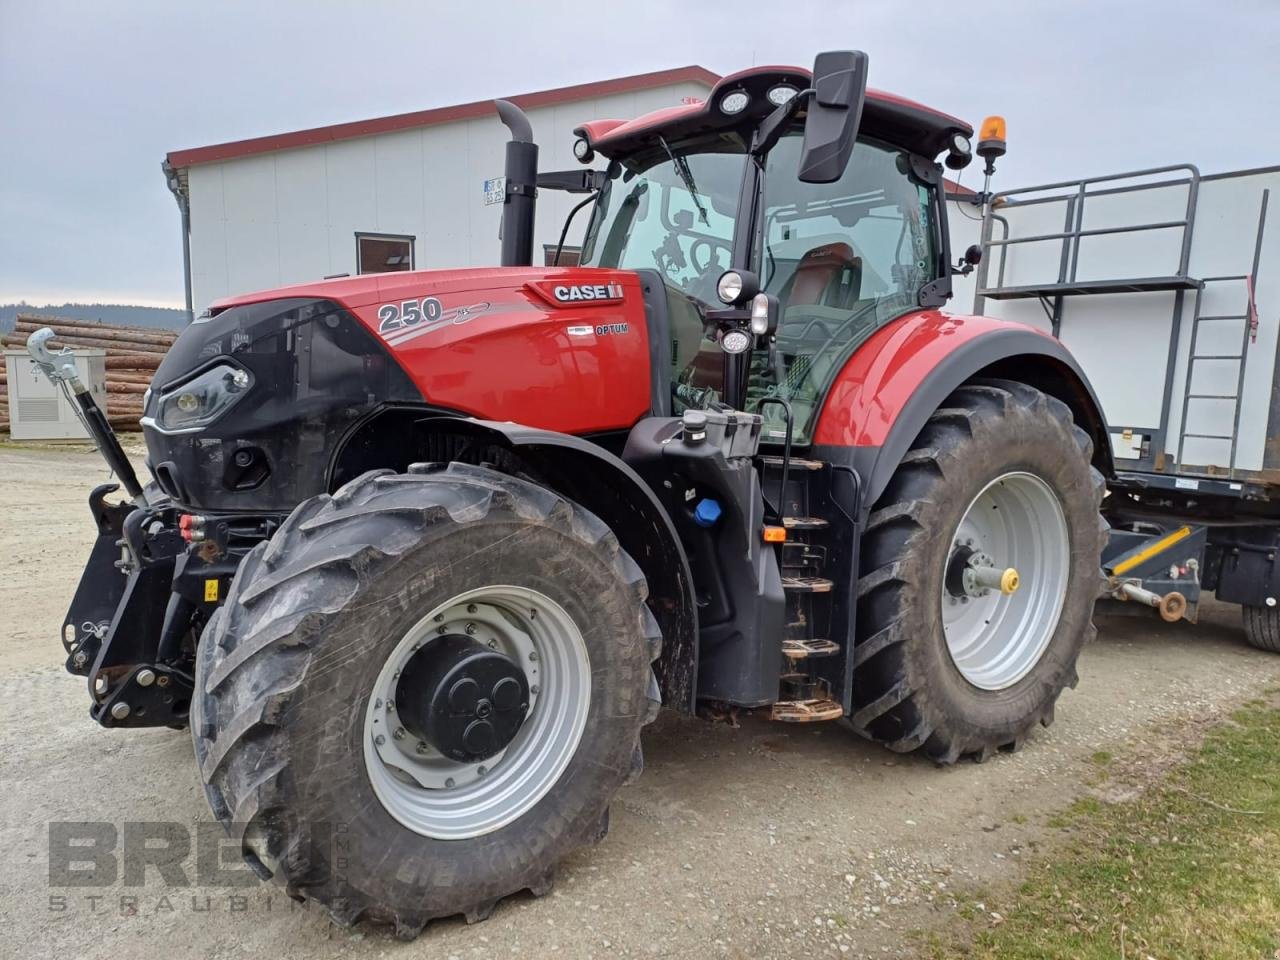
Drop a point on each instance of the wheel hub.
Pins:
(477, 711)
(462, 698)
(1005, 580)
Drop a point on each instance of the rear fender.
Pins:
(893, 383)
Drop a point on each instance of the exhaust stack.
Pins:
(521, 173)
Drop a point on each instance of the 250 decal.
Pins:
(396, 318)
(408, 313)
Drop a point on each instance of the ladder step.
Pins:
(1217, 356)
(807, 584)
(1208, 436)
(804, 523)
(803, 649)
(1212, 396)
(1224, 316)
(797, 463)
(806, 711)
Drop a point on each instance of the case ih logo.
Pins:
(577, 294)
(570, 293)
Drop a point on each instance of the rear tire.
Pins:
(1262, 627)
(286, 671)
(912, 688)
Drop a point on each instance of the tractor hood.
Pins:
(255, 398)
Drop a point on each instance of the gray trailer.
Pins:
(1165, 284)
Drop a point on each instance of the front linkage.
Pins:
(150, 564)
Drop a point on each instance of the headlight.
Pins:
(729, 286)
(202, 399)
(735, 102)
(781, 94)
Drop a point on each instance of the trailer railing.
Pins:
(1074, 194)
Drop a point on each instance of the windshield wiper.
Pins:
(686, 177)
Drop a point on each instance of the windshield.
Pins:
(670, 208)
(842, 258)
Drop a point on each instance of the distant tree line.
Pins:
(164, 318)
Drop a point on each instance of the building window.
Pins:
(569, 256)
(383, 253)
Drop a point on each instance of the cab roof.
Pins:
(885, 116)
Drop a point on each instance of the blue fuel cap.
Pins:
(706, 513)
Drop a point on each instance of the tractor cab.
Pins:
(726, 187)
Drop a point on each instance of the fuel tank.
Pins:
(250, 404)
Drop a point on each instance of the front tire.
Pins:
(291, 684)
(999, 476)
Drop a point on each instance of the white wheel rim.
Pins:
(447, 800)
(995, 639)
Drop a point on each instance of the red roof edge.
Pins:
(426, 118)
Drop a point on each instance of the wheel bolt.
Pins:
(391, 705)
(482, 771)
(422, 747)
(442, 630)
(449, 782)
(533, 655)
(379, 739)
(534, 688)
(438, 617)
(471, 629)
(493, 644)
(399, 734)
(472, 608)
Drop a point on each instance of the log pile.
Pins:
(133, 354)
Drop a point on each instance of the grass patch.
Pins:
(1191, 869)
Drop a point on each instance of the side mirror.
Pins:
(970, 259)
(835, 112)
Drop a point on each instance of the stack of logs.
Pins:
(133, 354)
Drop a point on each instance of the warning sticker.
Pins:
(211, 591)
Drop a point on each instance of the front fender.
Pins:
(893, 383)
(594, 478)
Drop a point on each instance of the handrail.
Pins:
(1073, 228)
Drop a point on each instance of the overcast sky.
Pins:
(93, 94)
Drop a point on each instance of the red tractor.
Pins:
(422, 553)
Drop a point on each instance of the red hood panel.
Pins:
(561, 348)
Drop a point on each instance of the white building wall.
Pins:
(1122, 340)
(292, 215)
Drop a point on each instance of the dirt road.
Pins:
(760, 841)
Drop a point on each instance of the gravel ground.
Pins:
(758, 841)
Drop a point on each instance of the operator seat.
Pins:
(828, 276)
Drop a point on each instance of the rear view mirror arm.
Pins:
(771, 127)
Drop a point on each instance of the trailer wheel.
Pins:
(422, 693)
(1262, 627)
(978, 574)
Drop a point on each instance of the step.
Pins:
(807, 584)
(796, 463)
(806, 711)
(804, 523)
(803, 649)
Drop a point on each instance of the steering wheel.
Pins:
(709, 256)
